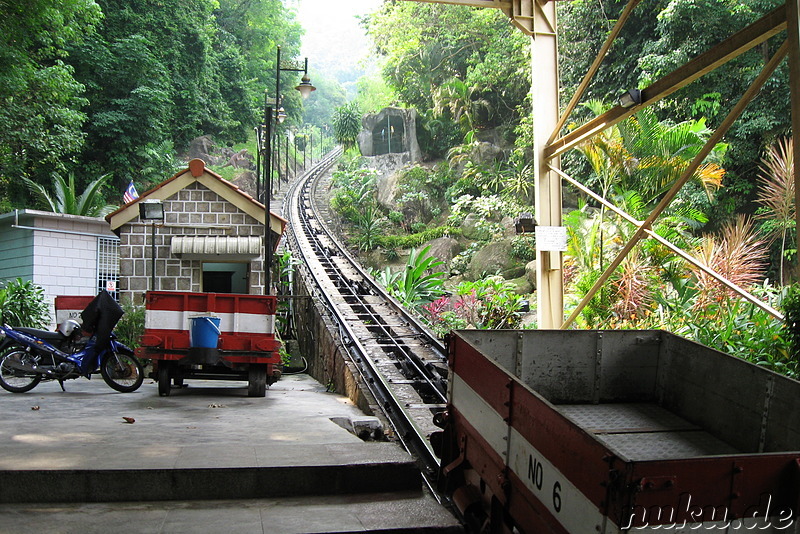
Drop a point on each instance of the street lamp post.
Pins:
(153, 211)
(305, 89)
(258, 162)
(277, 156)
(267, 198)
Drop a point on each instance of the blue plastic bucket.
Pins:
(204, 332)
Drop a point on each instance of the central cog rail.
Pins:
(402, 363)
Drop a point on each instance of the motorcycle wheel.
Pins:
(16, 380)
(122, 372)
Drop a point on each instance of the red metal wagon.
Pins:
(607, 432)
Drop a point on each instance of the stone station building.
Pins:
(211, 238)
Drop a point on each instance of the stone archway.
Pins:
(390, 131)
(389, 136)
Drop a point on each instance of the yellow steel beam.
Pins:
(521, 12)
(537, 19)
(740, 42)
(623, 18)
(547, 184)
(793, 35)
(501, 4)
(688, 172)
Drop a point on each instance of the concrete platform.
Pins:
(205, 459)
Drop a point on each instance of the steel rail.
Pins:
(347, 298)
(404, 427)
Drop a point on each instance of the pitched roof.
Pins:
(197, 172)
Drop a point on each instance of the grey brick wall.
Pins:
(193, 211)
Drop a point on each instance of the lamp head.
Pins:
(305, 86)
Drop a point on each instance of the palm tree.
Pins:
(634, 164)
(462, 102)
(646, 155)
(347, 124)
(66, 200)
(661, 151)
(609, 161)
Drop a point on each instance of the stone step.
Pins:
(210, 472)
(393, 512)
(90, 460)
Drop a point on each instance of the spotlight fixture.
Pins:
(151, 210)
(630, 98)
(525, 223)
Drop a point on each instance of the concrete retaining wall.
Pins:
(328, 359)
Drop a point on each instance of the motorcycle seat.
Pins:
(46, 335)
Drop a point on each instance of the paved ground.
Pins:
(208, 424)
(207, 413)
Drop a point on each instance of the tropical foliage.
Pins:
(461, 68)
(792, 328)
(22, 303)
(776, 192)
(98, 87)
(130, 327)
(488, 303)
(660, 36)
(419, 283)
(65, 199)
(41, 117)
(91, 88)
(347, 125)
(355, 191)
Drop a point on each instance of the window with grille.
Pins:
(108, 265)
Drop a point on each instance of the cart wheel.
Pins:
(257, 380)
(163, 378)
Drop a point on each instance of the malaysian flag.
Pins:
(130, 193)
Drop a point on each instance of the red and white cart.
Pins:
(241, 328)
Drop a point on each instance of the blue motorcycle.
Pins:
(29, 355)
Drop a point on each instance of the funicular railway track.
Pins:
(402, 363)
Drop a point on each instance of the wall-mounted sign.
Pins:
(551, 238)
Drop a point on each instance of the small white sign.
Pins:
(551, 238)
(111, 286)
